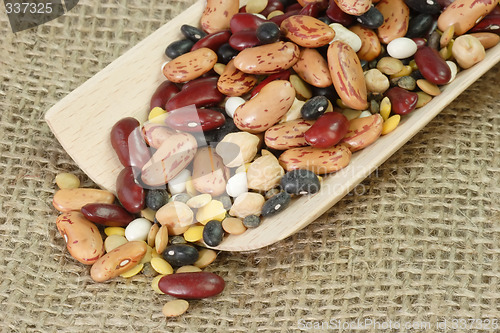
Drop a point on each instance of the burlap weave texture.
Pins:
(418, 241)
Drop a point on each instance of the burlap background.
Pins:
(419, 240)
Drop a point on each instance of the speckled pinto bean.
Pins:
(354, 7)
(209, 172)
(370, 44)
(347, 75)
(288, 135)
(119, 260)
(267, 59)
(234, 82)
(307, 31)
(190, 65)
(266, 108)
(217, 15)
(83, 239)
(396, 19)
(313, 68)
(66, 200)
(317, 160)
(171, 158)
(464, 14)
(363, 132)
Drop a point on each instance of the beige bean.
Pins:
(390, 66)
(152, 234)
(188, 269)
(209, 172)
(67, 180)
(233, 226)
(234, 82)
(428, 87)
(245, 204)
(264, 173)
(313, 68)
(363, 132)
(266, 108)
(113, 241)
(317, 160)
(118, 261)
(191, 65)
(66, 200)
(468, 51)
(288, 135)
(347, 75)
(82, 237)
(175, 308)
(175, 214)
(237, 148)
(488, 39)
(376, 82)
(205, 258)
(161, 239)
(171, 158)
(267, 59)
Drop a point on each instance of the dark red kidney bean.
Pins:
(495, 11)
(427, 7)
(245, 21)
(243, 9)
(293, 7)
(328, 130)
(490, 23)
(178, 48)
(372, 19)
(192, 33)
(190, 121)
(244, 39)
(193, 285)
(213, 41)
(200, 82)
(203, 93)
(284, 75)
(268, 32)
(280, 18)
(110, 215)
(337, 15)
(225, 53)
(420, 25)
(128, 143)
(131, 196)
(432, 66)
(314, 9)
(272, 5)
(402, 100)
(165, 91)
(420, 41)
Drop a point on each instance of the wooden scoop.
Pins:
(83, 119)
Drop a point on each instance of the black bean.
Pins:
(155, 199)
(180, 254)
(192, 33)
(372, 19)
(314, 107)
(178, 48)
(276, 204)
(268, 32)
(300, 181)
(213, 233)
